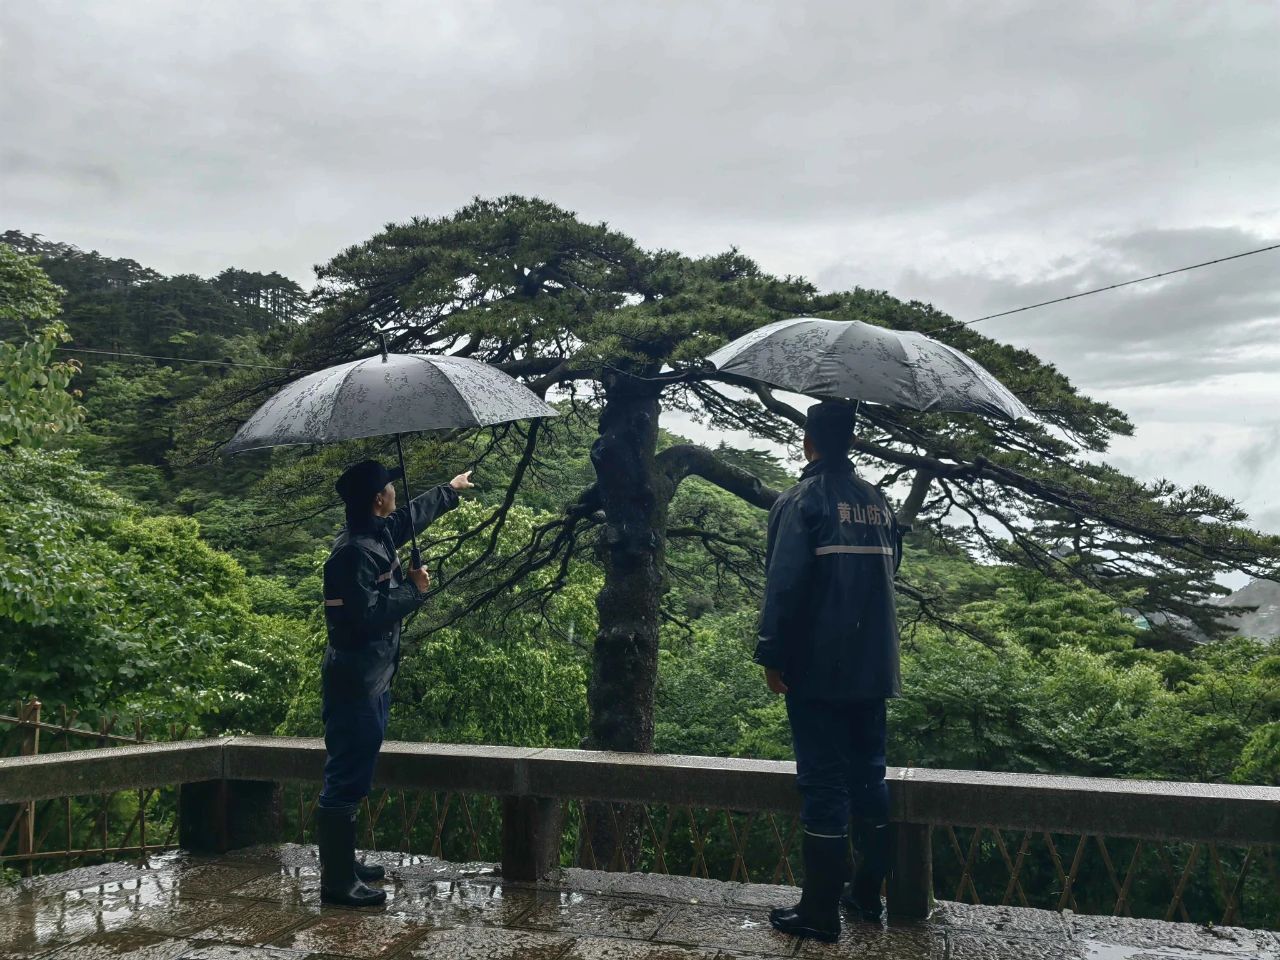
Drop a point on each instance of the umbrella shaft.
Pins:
(416, 556)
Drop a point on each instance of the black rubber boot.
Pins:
(861, 900)
(817, 915)
(370, 872)
(336, 837)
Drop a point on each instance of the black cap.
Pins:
(829, 425)
(359, 484)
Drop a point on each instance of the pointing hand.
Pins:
(462, 481)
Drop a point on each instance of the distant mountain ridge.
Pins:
(1264, 622)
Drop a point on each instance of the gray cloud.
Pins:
(1254, 459)
(1215, 321)
(27, 164)
(1268, 519)
(285, 130)
(980, 156)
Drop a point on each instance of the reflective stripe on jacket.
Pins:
(828, 620)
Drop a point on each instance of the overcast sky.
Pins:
(979, 156)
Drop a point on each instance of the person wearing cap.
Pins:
(366, 596)
(828, 640)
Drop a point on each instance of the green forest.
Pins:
(143, 574)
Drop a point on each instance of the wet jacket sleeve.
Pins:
(425, 508)
(363, 604)
(788, 559)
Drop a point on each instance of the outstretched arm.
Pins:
(425, 507)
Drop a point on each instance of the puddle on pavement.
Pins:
(1097, 950)
(255, 925)
(223, 951)
(489, 944)
(355, 935)
(125, 946)
(28, 931)
(125, 911)
(591, 915)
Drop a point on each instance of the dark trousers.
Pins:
(840, 751)
(353, 733)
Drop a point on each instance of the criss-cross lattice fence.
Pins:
(1096, 874)
(66, 830)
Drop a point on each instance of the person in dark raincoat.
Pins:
(366, 595)
(828, 640)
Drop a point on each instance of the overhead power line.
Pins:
(1126, 283)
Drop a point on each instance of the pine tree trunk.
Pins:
(635, 495)
(915, 498)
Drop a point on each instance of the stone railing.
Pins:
(1214, 845)
(30, 732)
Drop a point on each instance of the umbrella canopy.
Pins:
(393, 393)
(382, 395)
(852, 360)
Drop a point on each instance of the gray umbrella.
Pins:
(852, 360)
(388, 394)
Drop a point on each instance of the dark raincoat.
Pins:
(366, 597)
(829, 622)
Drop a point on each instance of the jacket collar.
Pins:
(371, 524)
(827, 465)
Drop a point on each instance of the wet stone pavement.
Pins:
(263, 904)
